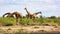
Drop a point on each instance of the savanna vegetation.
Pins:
(49, 21)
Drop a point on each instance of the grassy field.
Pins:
(38, 21)
(8, 25)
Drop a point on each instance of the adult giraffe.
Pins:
(16, 14)
(32, 16)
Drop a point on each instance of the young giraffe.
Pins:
(8, 15)
(32, 16)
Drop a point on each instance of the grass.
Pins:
(38, 21)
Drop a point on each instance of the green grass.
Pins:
(38, 21)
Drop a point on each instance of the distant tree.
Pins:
(59, 17)
(41, 16)
(24, 16)
(52, 17)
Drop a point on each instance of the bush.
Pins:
(7, 21)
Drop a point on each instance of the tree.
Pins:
(52, 17)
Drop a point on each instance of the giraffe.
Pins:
(32, 16)
(8, 15)
(17, 15)
(28, 15)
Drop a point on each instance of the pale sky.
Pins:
(48, 7)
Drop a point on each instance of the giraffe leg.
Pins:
(16, 21)
(20, 19)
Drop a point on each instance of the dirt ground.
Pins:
(12, 29)
(29, 29)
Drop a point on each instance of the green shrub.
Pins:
(7, 21)
(23, 22)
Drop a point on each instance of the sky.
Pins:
(47, 7)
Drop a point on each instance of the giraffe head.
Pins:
(25, 8)
(40, 12)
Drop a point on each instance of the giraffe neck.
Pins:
(27, 11)
(37, 13)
